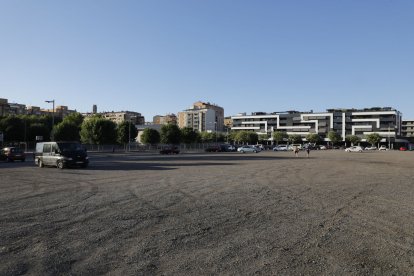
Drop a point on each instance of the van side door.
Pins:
(47, 150)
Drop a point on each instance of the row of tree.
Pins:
(100, 131)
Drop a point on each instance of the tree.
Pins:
(313, 138)
(334, 137)
(150, 136)
(189, 135)
(76, 118)
(247, 137)
(125, 131)
(105, 132)
(37, 129)
(263, 138)
(66, 131)
(98, 131)
(295, 139)
(170, 134)
(353, 139)
(207, 137)
(279, 136)
(373, 138)
(13, 128)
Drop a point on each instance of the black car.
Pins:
(170, 150)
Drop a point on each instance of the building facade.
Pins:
(407, 128)
(163, 120)
(202, 116)
(360, 122)
(119, 117)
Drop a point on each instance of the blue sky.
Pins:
(160, 56)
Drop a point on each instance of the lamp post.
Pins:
(53, 115)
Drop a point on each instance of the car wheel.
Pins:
(40, 163)
(255, 151)
(242, 151)
(59, 164)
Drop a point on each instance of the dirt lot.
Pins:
(225, 213)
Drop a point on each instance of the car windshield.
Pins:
(70, 146)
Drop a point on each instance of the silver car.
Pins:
(248, 148)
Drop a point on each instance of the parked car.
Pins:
(11, 154)
(280, 148)
(371, 148)
(227, 147)
(60, 154)
(248, 148)
(354, 149)
(215, 148)
(321, 147)
(382, 148)
(169, 150)
(403, 148)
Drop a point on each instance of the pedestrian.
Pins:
(296, 150)
(307, 151)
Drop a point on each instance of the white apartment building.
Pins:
(384, 121)
(407, 128)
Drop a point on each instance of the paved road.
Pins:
(218, 213)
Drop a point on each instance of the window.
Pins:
(47, 148)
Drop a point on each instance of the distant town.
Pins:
(204, 116)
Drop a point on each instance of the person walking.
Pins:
(307, 151)
(296, 150)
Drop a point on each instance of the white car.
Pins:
(280, 148)
(354, 149)
(383, 148)
(247, 148)
(371, 148)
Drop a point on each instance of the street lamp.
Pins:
(53, 115)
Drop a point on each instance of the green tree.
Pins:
(105, 132)
(170, 134)
(263, 138)
(279, 136)
(37, 129)
(189, 135)
(373, 138)
(295, 139)
(334, 137)
(75, 118)
(125, 131)
(247, 137)
(207, 137)
(150, 136)
(313, 138)
(66, 131)
(353, 139)
(98, 131)
(87, 131)
(13, 128)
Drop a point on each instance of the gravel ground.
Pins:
(225, 213)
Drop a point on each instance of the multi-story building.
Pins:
(163, 120)
(407, 128)
(4, 107)
(202, 116)
(17, 109)
(34, 110)
(119, 117)
(61, 111)
(384, 121)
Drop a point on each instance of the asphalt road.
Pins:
(334, 213)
